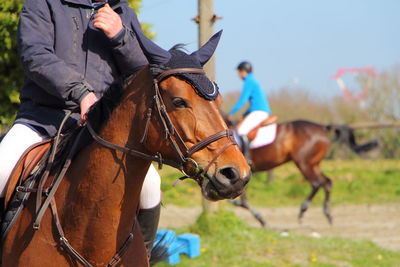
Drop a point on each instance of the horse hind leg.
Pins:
(327, 185)
(313, 178)
(306, 204)
(317, 180)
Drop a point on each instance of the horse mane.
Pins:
(156, 69)
(179, 47)
(101, 111)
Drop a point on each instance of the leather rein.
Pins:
(171, 134)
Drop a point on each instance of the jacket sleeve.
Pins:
(41, 64)
(244, 96)
(126, 49)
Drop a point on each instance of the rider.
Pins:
(259, 108)
(72, 51)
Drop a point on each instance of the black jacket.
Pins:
(65, 57)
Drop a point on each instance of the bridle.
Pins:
(171, 134)
(183, 152)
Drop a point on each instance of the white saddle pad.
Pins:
(265, 136)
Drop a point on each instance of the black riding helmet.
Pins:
(245, 65)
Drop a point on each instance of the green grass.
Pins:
(354, 182)
(228, 241)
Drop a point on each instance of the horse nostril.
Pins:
(229, 173)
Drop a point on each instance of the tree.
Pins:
(384, 96)
(11, 73)
(146, 27)
(383, 106)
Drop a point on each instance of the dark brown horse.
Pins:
(306, 144)
(99, 196)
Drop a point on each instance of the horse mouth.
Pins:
(210, 191)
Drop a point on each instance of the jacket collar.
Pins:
(249, 76)
(87, 3)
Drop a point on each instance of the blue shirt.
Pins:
(252, 92)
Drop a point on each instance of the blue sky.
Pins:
(287, 40)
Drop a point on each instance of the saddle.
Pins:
(26, 165)
(270, 120)
(30, 174)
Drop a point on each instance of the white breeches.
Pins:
(150, 196)
(13, 145)
(20, 137)
(251, 121)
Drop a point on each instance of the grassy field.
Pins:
(354, 182)
(227, 241)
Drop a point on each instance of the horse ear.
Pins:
(206, 51)
(154, 53)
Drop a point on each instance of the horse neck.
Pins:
(126, 126)
(104, 185)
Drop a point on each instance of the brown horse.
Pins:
(306, 144)
(99, 196)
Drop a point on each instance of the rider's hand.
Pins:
(86, 103)
(108, 21)
(229, 118)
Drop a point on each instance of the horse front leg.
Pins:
(243, 203)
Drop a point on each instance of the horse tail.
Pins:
(345, 134)
(159, 253)
(162, 249)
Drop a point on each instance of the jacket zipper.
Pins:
(89, 16)
(76, 23)
(75, 37)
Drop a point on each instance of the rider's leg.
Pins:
(19, 138)
(250, 122)
(245, 146)
(149, 214)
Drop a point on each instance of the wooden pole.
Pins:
(362, 125)
(270, 176)
(206, 19)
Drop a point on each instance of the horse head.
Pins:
(199, 137)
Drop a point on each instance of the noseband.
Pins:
(189, 167)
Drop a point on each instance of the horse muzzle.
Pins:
(226, 183)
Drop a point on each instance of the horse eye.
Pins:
(179, 102)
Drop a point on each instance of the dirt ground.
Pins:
(379, 223)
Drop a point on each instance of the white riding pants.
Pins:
(13, 145)
(251, 121)
(20, 137)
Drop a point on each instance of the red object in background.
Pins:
(347, 94)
